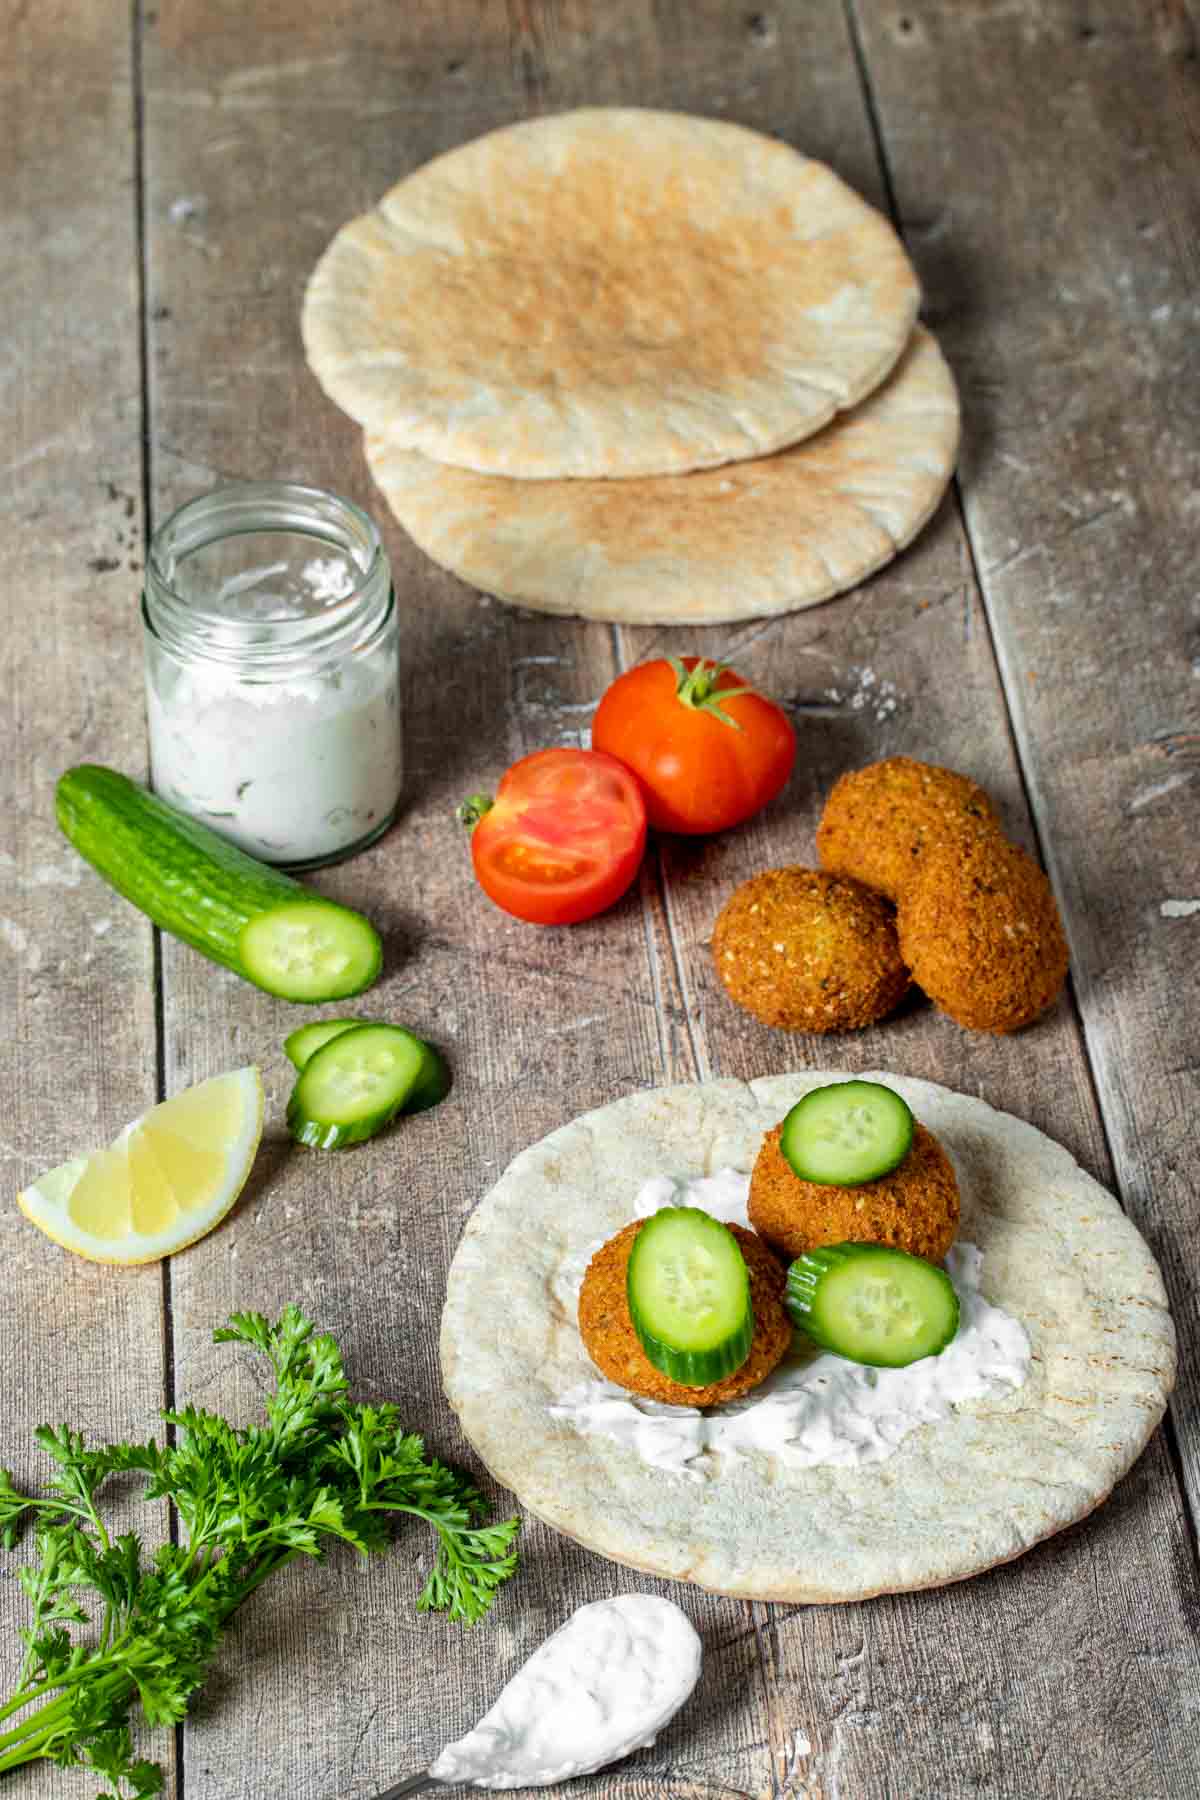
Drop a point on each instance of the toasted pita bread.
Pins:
(609, 292)
(955, 1498)
(749, 539)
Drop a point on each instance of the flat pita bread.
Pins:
(609, 292)
(743, 541)
(955, 1497)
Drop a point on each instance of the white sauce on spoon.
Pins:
(815, 1407)
(604, 1684)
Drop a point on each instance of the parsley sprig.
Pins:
(319, 1467)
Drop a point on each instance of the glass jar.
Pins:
(272, 671)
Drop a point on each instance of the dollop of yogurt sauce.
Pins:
(815, 1407)
(290, 770)
(604, 1684)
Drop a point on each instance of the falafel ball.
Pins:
(981, 932)
(880, 821)
(612, 1343)
(915, 1207)
(808, 951)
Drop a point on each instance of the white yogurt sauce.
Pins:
(293, 768)
(815, 1407)
(604, 1684)
(290, 770)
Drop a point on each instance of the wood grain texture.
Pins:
(77, 1054)
(534, 1024)
(1081, 508)
(898, 680)
(1043, 163)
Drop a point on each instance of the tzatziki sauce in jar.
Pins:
(272, 671)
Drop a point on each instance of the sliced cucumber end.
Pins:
(872, 1304)
(311, 950)
(306, 1040)
(358, 1080)
(433, 1080)
(688, 1291)
(847, 1133)
(317, 1135)
(432, 1084)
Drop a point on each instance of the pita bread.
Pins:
(609, 292)
(746, 540)
(955, 1497)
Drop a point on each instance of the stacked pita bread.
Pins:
(637, 366)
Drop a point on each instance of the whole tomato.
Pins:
(563, 838)
(707, 749)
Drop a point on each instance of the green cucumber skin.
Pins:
(317, 1135)
(431, 1086)
(803, 1297)
(701, 1365)
(182, 875)
(306, 1040)
(696, 1368)
(804, 1166)
(433, 1083)
(430, 1083)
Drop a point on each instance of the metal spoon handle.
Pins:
(421, 1783)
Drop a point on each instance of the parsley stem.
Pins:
(35, 1736)
(26, 1699)
(111, 1676)
(15, 1745)
(250, 1500)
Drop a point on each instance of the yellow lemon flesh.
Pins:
(170, 1176)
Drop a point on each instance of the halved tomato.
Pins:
(563, 838)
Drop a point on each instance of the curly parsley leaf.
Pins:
(317, 1469)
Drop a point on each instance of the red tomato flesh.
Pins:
(563, 839)
(707, 748)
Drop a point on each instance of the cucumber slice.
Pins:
(238, 912)
(872, 1304)
(689, 1296)
(847, 1133)
(306, 1040)
(358, 1081)
(433, 1082)
(307, 951)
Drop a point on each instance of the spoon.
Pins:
(602, 1685)
(412, 1784)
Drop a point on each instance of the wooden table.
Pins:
(170, 175)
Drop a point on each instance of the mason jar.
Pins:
(272, 671)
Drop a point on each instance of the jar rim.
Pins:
(238, 509)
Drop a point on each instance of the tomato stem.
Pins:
(698, 689)
(470, 811)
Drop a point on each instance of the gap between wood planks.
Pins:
(1022, 763)
(762, 1618)
(137, 91)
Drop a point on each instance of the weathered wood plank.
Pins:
(537, 1025)
(990, 1687)
(907, 664)
(77, 1054)
(531, 1060)
(844, 1682)
(1079, 362)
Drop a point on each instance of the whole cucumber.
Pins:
(192, 883)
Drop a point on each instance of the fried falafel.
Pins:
(808, 951)
(611, 1342)
(980, 929)
(880, 821)
(915, 1207)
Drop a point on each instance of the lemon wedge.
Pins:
(165, 1181)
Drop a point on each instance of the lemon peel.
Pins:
(165, 1181)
